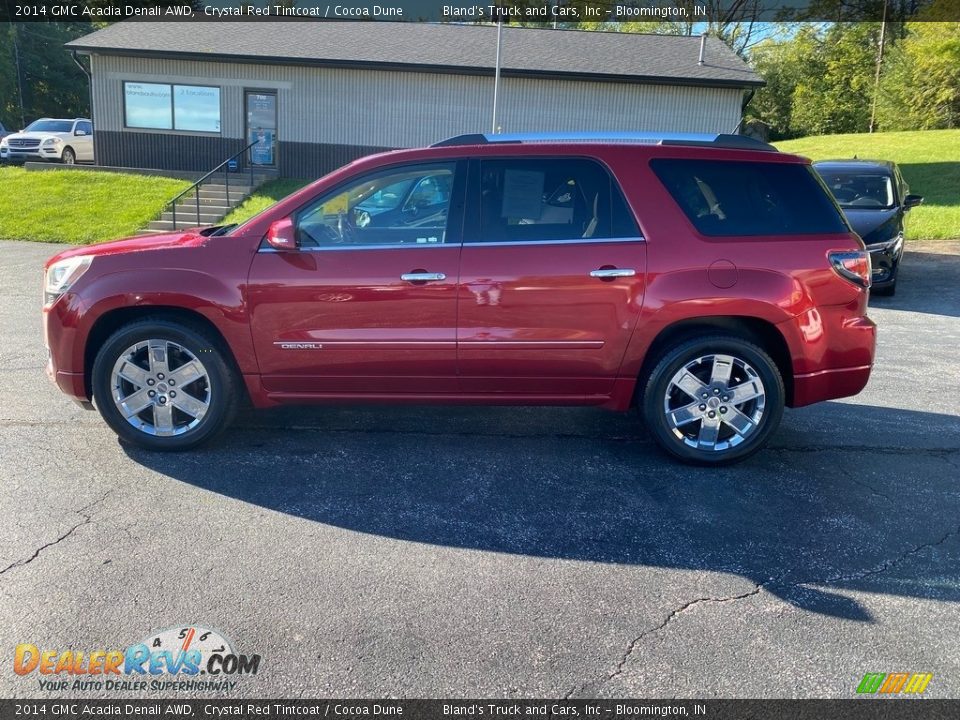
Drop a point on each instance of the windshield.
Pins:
(387, 198)
(51, 126)
(859, 190)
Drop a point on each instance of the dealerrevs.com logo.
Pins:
(180, 658)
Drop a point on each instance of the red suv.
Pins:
(708, 280)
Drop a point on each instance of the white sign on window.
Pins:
(147, 105)
(196, 108)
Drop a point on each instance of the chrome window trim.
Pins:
(576, 241)
(490, 243)
(408, 246)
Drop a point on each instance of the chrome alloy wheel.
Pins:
(160, 387)
(714, 402)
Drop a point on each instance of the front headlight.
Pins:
(50, 142)
(62, 275)
(3, 143)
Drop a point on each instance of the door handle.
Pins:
(604, 273)
(422, 277)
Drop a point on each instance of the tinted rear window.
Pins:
(724, 198)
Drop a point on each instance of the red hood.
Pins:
(135, 244)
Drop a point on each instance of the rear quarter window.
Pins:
(728, 198)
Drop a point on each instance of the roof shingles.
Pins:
(435, 47)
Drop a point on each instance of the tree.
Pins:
(836, 92)
(782, 64)
(49, 79)
(819, 81)
(920, 83)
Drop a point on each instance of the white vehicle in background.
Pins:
(66, 141)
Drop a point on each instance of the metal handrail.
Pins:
(226, 182)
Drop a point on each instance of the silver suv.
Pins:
(66, 141)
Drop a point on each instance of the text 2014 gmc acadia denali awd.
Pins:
(709, 280)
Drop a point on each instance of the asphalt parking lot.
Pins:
(500, 552)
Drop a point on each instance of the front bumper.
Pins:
(884, 259)
(60, 337)
(18, 155)
(72, 384)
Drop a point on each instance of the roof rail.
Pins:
(740, 142)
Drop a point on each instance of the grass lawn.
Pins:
(928, 159)
(79, 206)
(263, 197)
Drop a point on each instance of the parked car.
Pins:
(66, 141)
(875, 198)
(707, 280)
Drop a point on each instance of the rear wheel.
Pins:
(164, 386)
(714, 400)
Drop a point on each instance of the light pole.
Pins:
(496, 74)
(876, 82)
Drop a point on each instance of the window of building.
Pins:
(550, 199)
(160, 106)
(196, 108)
(724, 198)
(402, 206)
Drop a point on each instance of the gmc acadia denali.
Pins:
(707, 280)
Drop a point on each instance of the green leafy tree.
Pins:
(38, 77)
(819, 81)
(782, 64)
(920, 84)
(835, 93)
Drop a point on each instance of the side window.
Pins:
(550, 199)
(85, 127)
(401, 206)
(725, 198)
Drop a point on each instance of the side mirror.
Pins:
(80, 133)
(282, 236)
(912, 201)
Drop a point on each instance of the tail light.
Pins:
(854, 265)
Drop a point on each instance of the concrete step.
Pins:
(217, 194)
(221, 187)
(212, 200)
(191, 209)
(167, 225)
(205, 218)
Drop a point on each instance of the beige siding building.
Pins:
(312, 96)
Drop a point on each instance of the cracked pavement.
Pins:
(501, 552)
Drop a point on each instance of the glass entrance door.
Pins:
(262, 127)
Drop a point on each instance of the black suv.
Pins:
(875, 198)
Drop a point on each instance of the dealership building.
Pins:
(314, 95)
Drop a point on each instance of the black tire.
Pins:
(221, 382)
(733, 447)
(68, 156)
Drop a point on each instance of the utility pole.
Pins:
(496, 73)
(16, 60)
(876, 81)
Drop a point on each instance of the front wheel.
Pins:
(714, 400)
(164, 386)
(68, 157)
